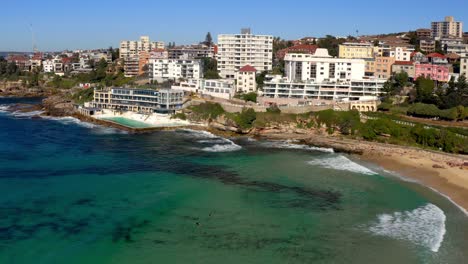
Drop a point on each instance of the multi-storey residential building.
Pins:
(427, 45)
(322, 67)
(401, 53)
(237, 50)
(302, 48)
(436, 72)
(191, 52)
(353, 90)
(437, 58)
(132, 66)
(217, 88)
(351, 50)
(447, 28)
(464, 66)
(138, 100)
(21, 61)
(167, 69)
(48, 65)
(322, 77)
(383, 67)
(159, 54)
(133, 48)
(143, 60)
(459, 49)
(424, 33)
(404, 66)
(370, 67)
(246, 79)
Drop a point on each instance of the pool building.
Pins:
(165, 101)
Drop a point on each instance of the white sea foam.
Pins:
(198, 133)
(223, 148)
(220, 144)
(341, 163)
(98, 129)
(424, 226)
(292, 145)
(4, 108)
(27, 114)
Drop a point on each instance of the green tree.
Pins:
(210, 68)
(208, 40)
(424, 90)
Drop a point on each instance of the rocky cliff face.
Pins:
(57, 105)
(19, 89)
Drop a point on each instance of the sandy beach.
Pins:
(444, 172)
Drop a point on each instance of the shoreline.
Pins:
(444, 173)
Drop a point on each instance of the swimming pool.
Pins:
(128, 122)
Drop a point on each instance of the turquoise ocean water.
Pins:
(73, 192)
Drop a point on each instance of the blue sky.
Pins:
(62, 24)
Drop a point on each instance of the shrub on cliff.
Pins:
(246, 118)
(207, 110)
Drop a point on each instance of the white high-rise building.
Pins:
(322, 77)
(401, 53)
(165, 69)
(322, 67)
(237, 50)
(132, 48)
(449, 28)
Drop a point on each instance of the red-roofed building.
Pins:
(437, 58)
(246, 79)
(404, 66)
(20, 60)
(303, 48)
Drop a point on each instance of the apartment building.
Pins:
(427, 45)
(132, 66)
(383, 67)
(404, 66)
(321, 67)
(216, 88)
(464, 66)
(447, 28)
(21, 61)
(459, 49)
(322, 77)
(132, 48)
(436, 72)
(302, 48)
(167, 69)
(191, 52)
(355, 90)
(138, 100)
(246, 81)
(159, 54)
(48, 65)
(424, 33)
(401, 53)
(370, 67)
(351, 50)
(237, 50)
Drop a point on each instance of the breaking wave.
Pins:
(291, 145)
(98, 129)
(218, 144)
(424, 226)
(341, 163)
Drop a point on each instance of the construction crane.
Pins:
(33, 40)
